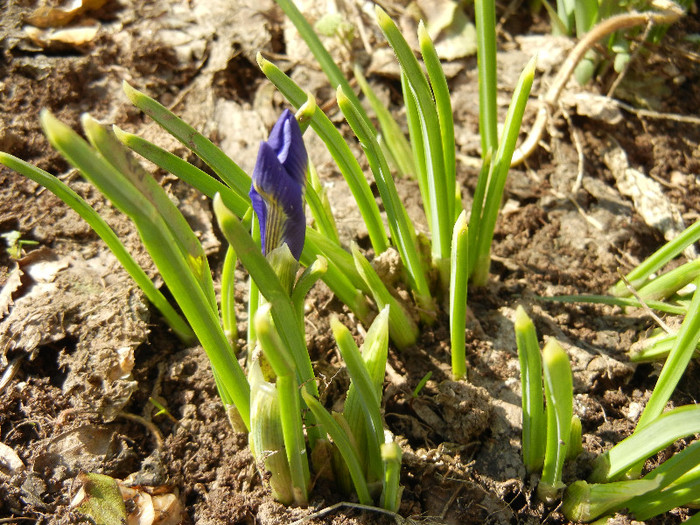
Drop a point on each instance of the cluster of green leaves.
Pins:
(551, 432)
(457, 253)
(271, 411)
(615, 483)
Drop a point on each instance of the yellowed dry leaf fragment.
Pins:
(74, 36)
(47, 16)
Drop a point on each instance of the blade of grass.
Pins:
(229, 172)
(419, 158)
(106, 143)
(344, 446)
(683, 349)
(228, 295)
(185, 171)
(617, 301)
(99, 226)
(441, 221)
(395, 140)
(403, 235)
(402, 328)
(558, 389)
(585, 502)
(441, 92)
(374, 355)
(657, 435)
(266, 439)
(320, 207)
(477, 208)
(325, 60)
(670, 282)
(459, 266)
(391, 490)
(680, 486)
(366, 395)
(663, 255)
(485, 17)
(534, 424)
(501, 166)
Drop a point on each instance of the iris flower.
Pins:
(277, 191)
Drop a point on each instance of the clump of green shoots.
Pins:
(457, 253)
(551, 434)
(614, 484)
(268, 400)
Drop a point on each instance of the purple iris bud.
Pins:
(277, 192)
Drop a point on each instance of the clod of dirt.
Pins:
(89, 448)
(459, 412)
(84, 300)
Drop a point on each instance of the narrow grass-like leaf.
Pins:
(320, 206)
(391, 493)
(97, 223)
(228, 295)
(534, 423)
(340, 152)
(658, 434)
(290, 406)
(679, 486)
(683, 349)
(325, 60)
(558, 389)
(617, 301)
(440, 197)
(402, 328)
(585, 502)
(667, 284)
(103, 140)
(485, 17)
(421, 384)
(668, 251)
(159, 241)
(459, 276)
(478, 207)
(655, 348)
(416, 135)
(566, 11)
(366, 394)
(310, 276)
(403, 235)
(394, 138)
(185, 171)
(266, 438)
(576, 439)
(223, 166)
(344, 446)
(441, 92)
(374, 355)
(501, 165)
(558, 26)
(586, 15)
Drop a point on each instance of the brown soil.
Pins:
(88, 353)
